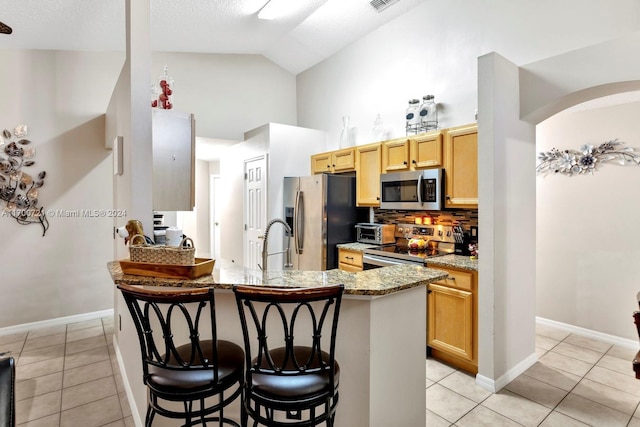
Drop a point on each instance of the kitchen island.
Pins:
(380, 347)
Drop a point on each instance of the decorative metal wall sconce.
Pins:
(586, 159)
(18, 189)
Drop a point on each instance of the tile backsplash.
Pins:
(467, 218)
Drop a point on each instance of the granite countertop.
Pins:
(356, 246)
(453, 261)
(379, 281)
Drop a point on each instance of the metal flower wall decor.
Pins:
(586, 159)
(18, 189)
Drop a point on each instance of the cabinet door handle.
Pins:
(451, 278)
(414, 162)
(429, 291)
(405, 162)
(448, 197)
(349, 257)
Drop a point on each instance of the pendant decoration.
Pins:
(18, 189)
(587, 159)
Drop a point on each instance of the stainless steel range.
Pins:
(414, 245)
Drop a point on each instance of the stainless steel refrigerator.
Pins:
(321, 211)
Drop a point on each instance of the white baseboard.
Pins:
(496, 385)
(125, 380)
(55, 322)
(610, 339)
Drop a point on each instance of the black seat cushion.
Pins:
(230, 361)
(290, 383)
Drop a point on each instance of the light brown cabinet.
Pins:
(349, 260)
(368, 168)
(414, 153)
(334, 161)
(452, 319)
(461, 167)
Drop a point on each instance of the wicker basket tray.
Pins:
(201, 267)
(157, 254)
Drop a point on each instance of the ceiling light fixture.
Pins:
(276, 8)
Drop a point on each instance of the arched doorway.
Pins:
(511, 101)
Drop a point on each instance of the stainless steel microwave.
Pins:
(414, 190)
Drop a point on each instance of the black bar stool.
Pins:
(290, 341)
(7, 392)
(182, 359)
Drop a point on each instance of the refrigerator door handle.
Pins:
(299, 222)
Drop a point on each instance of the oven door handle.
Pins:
(384, 261)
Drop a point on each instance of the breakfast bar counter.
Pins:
(381, 335)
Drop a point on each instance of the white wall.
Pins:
(586, 228)
(433, 49)
(290, 149)
(229, 94)
(62, 97)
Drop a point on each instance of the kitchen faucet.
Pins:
(265, 237)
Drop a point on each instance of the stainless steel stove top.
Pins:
(440, 241)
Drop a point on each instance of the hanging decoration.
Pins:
(587, 159)
(18, 189)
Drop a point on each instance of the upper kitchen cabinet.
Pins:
(334, 161)
(173, 135)
(368, 169)
(461, 167)
(395, 155)
(419, 152)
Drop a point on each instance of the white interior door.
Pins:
(255, 207)
(214, 204)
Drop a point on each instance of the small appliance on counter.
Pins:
(376, 234)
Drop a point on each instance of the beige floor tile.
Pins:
(484, 417)
(13, 348)
(566, 363)
(546, 342)
(537, 391)
(589, 343)
(621, 366)
(124, 404)
(119, 423)
(429, 383)
(38, 407)
(26, 389)
(551, 332)
(109, 328)
(46, 331)
(38, 369)
(635, 422)
(517, 408)
(557, 419)
(84, 325)
(86, 344)
(88, 357)
(82, 334)
(88, 392)
(591, 413)
(577, 352)
(41, 354)
(48, 421)
(465, 385)
(92, 414)
(12, 338)
(447, 404)
(622, 352)
(433, 420)
(626, 383)
(87, 373)
(555, 377)
(42, 342)
(437, 370)
(541, 352)
(607, 396)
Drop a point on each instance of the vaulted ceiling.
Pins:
(312, 30)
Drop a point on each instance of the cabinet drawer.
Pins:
(350, 268)
(346, 256)
(457, 279)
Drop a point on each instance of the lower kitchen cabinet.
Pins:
(452, 330)
(349, 260)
